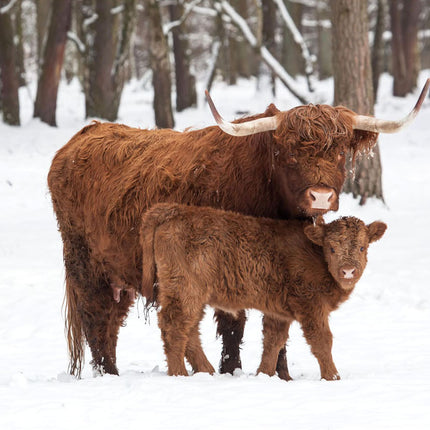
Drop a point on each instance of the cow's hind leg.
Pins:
(92, 313)
(194, 352)
(275, 335)
(230, 329)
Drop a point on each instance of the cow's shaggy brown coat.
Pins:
(105, 178)
(289, 270)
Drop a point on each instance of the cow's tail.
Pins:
(74, 329)
(152, 219)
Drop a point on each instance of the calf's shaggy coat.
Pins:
(289, 270)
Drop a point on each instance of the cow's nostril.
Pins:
(313, 196)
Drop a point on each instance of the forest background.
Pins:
(170, 45)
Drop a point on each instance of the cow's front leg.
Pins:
(230, 329)
(275, 335)
(318, 335)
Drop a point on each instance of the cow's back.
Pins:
(107, 175)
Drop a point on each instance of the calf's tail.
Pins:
(151, 220)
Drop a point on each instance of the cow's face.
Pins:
(312, 145)
(311, 183)
(345, 243)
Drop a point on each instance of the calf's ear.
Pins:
(315, 233)
(376, 230)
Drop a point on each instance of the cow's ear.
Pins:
(315, 233)
(376, 230)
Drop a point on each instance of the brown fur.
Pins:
(289, 270)
(108, 175)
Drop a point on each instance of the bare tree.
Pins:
(378, 45)
(8, 73)
(353, 85)
(108, 29)
(19, 45)
(185, 81)
(404, 16)
(43, 7)
(45, 105)
(160, 65)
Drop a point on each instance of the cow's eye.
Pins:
(292, 159)
(362, 249)
(332, 250)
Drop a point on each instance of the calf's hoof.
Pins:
(333, 377)
(207, 368)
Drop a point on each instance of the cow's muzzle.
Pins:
(320, 198)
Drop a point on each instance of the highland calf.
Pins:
(289, 270)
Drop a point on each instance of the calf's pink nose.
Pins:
(348, 273)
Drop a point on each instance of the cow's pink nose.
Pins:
(348, 273)
(320, 200)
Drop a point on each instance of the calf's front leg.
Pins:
(318, 335)
(275, 335)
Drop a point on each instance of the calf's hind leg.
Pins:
(194, 351)
(176, 325)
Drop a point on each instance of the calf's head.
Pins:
(345, 242)
(309, 145)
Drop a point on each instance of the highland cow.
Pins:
(277, 164)
(289, 270)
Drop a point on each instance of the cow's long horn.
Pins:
(369, 123)
(244, 128)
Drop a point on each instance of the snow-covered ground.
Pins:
(381, 335)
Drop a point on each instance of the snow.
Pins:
(381, 335)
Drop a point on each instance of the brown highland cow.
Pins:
(276, 164)
(289, 270)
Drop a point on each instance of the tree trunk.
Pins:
(19, 45)
(160, 65)
(47, 89)
(404, 17)
(353, 85)
(378, 45)
(43, 8)
(268, 36)
(242, 55)
(8, 74)
(325, 60)
(186, 95)
(102, 97)
(292, 58)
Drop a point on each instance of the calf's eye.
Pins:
(332, 250)
(362, 249)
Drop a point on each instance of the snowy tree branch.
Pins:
(73, 37)
(298, 38)
(188, 8)
(7, 8)
(266, 56)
